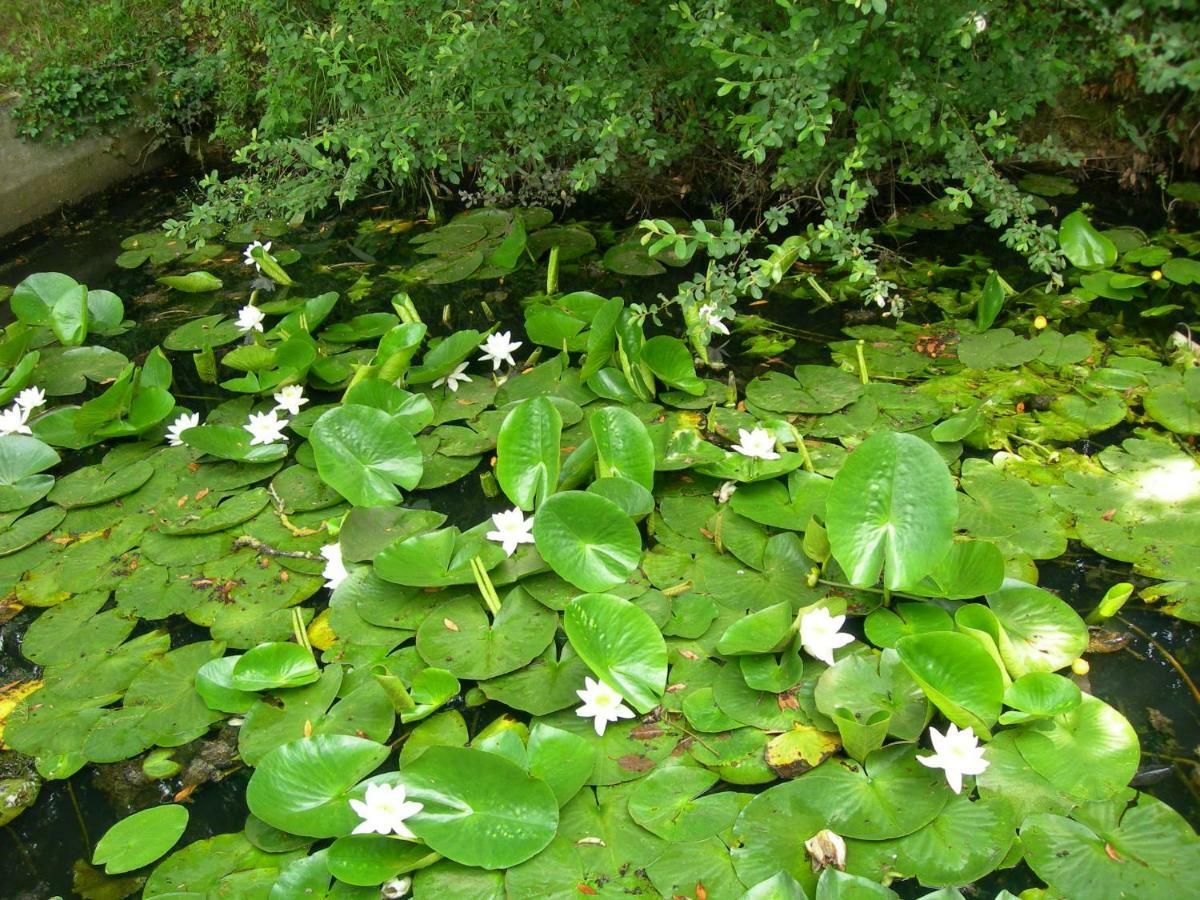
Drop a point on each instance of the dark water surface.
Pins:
(39, 849)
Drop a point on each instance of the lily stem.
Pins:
(87, 840)
(486, 588)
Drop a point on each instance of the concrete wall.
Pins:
(38, 178)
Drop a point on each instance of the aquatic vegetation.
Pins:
(780, 634)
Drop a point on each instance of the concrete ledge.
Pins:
(36, 179)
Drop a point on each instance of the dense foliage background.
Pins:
(805, 105)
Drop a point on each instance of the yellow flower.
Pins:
(1040, 322)
(1081, 666)
(1156, 275)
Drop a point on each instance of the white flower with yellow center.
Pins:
(512, 529)
(958, 753)
(756, 444)
(602, 703)
(250, 318)
(454, 379)
(13, 419)
(820, 634)
(383, 810)
(248, 254)
(179, 426)
(31, 398)
(498, 348)
(266, 428)
(290, 399)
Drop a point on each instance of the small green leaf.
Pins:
(140, 839)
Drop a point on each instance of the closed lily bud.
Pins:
(396, 888)
(826, 848)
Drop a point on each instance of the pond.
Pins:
(693, 531)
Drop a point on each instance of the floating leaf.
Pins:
(303, 787)
(891, 508)
(363, 453)
(1083, 245)
(479, 808)
(140, 839)
(527, 452)
(587, 540)
(621, 645)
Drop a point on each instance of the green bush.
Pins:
(741, 104)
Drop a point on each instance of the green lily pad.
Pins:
(458, 637)
(1113, 850)
(140, 839)
(1089, 753)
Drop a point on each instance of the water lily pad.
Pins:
(363, 453)
(479, 809)
(368, 860)
(1114, 850)
(527, 452)
(621, 645)
(448, 268)
(304, 786)
(226, 864)
(207, 331)
(891, 508)
(544, 686)
(29, 528)
(572, 242)
(1089, 753)
(1083, 245)
(1040, 632)
(192, 282)
(815, 389)
(998, 348)
(587, 539)
(958, 675)
(140, 839)
(458, 637)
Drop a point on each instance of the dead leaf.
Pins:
(450, 625)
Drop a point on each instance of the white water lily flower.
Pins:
(334, 572)
(826, 848)
(250, 318)
(498, 348)
(602, 703)
(290, 399)
(179, 426)
(819, 634)
(980, 22)
(395, 888)
(383, 811)
(756, 444)
(958, 753)
(266, 428)
(455, 378)
(708, 315)
(249, 253)
(13, 419)
(31, 398)
(512, 529)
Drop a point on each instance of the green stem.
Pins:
(299, 630)
(486, 588)
(552, 272)
(87, 840)
(863, 376)
(803, 448)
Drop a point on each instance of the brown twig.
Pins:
(1167, 654)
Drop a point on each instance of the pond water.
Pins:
(1146, 676)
